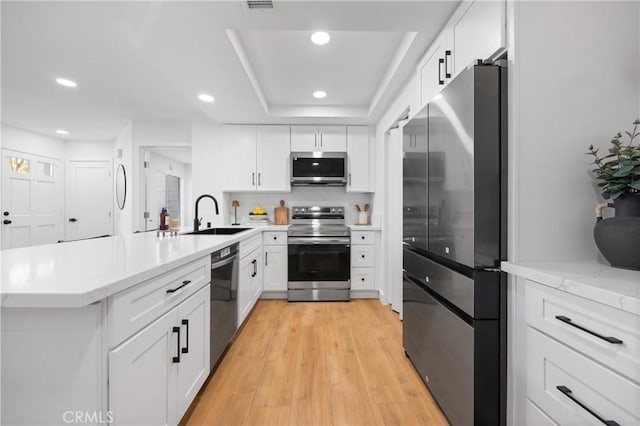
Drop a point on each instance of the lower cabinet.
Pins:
(249, 283)
(362, 260)
(154, 376)
(275, 268)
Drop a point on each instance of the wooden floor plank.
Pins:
(316, 364)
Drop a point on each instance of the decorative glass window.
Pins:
(46, 168)
(19, 165)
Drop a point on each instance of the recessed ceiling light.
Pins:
(66, 82)
(62, 132)
(319, 94)
(320, 37)
(206, 98)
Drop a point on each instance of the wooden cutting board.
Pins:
(281, 214)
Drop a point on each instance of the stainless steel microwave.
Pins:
(318, 168)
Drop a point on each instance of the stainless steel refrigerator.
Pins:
(454, 237)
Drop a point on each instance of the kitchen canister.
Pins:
(363, 218)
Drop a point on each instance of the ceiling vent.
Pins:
(259, 4)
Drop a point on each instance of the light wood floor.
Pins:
(316, 364)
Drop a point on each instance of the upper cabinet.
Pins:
(257, 158)
(318, 138)
(475, 31)
(358, 159)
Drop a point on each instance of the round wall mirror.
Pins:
(121, 186)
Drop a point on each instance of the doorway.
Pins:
(31, 200)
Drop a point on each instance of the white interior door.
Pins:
(31, 200)
(89, 199)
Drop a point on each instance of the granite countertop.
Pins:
(619, 288)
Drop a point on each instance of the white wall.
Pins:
(124, 218)
(299, 196)
(574, 84)
(22, 140)
(88, 150)
(207, 168)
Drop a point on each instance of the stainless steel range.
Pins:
(319, 255)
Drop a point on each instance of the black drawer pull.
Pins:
(569, 394)
(440, 79)
(568, 321)
(173, 290)
(363, 256)
(447, 54)
(255, 268)
(363, 237)
(6, 222)
(185, 350)
(177, 330)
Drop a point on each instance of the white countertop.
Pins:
(79, 273)
(365, 227)
(619, 288)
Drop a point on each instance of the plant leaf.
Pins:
(623, 171)
(636, 185)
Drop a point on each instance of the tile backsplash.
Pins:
(299, 196)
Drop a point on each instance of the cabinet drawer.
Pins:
(553, 368)
(274, 238)
(138, 306)
(362, 279)
(362, 256)
(362, 237)
(549, 310)
(249, 245)
(534, 416)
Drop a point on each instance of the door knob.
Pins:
(73, 219)
(6, 222)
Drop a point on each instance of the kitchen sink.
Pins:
(219, 231)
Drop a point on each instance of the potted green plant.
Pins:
(618, 176)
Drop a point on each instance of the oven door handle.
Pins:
(308, 241)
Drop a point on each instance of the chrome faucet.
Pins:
(196, 221)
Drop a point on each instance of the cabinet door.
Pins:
(193, 368)
(245, 283)
(240, 158)
(333, 138)
(358, 158)
(258, 278)
(304, 139)
(274, 144)
(432, 70)
(275, 268)
(142, 375)
(478, 33)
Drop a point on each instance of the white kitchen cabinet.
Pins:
(143, 376)
(240, 158)
(322, 138)
(273, 154)
(257, 158)
(414, 139)
(434, 71)
(363, 250)
(275, 268)
(358, 159)
(478, 33)
(154, 376)
(249, 282)
(193, 368)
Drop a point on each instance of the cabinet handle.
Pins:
(185, 350)
(447, 54)
(349, 179)
(363, 256)
(73, 219)
(5, 213)
(440, 80)
(6, 222)
(266, 258)
(568, 393)
(259, 180)
(253, 179)
(315, 140)
(321, 134)
(567, 320)
(362, 279)
(173, 290)
(363, 237)
(177, 330)
(255, 268)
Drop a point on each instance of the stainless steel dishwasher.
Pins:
(224, 292)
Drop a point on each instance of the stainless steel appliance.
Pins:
(319, 255)
(454, 298)
(224, 308)
(318, 168)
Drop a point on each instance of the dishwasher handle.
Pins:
(224, 262)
